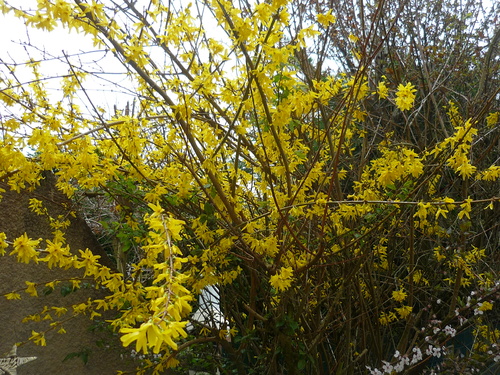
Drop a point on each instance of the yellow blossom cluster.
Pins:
(405, 96)
(282, 280)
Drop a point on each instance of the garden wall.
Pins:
(88, 347)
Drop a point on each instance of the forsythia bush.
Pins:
(346, 230)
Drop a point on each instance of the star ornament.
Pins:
(10, 364)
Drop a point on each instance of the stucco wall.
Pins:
(105, 355)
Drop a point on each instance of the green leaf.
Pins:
(67, 289)
(302, 364)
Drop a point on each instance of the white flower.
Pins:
(450, 331)
(417, 355)
(387, 367)
(374, 371)
(400, 366)
(436, 352)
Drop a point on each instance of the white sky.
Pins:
(18, 44)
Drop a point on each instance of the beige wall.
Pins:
(105, 353)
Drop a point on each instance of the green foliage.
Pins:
(82, 354)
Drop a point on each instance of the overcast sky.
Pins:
(18, 44)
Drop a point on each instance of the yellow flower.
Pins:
(205, 331)
(466, 208)
(382, 90)
(282, 280)
(418, 277)
(385, 319)
(80, 308)
(38, 338)
(490, 174)
(75, 283)
(36, 206)
(3, 243)
(31, 289)
(326, 19)
(89, 261)
(404, 311)
(24, 248)
(175, 227)
(12, 295)
(56, 254)
(485, 306)
(157, 208)
(441, 211)
(60, 310)
(438, 254)
(47, 317)
(492, 119)
(153, 335)
(465, 281)
(422, 210)
(172, 362)
(399, 295)
(405, 96)
(465, 169)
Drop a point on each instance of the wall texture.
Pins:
(84, 338)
